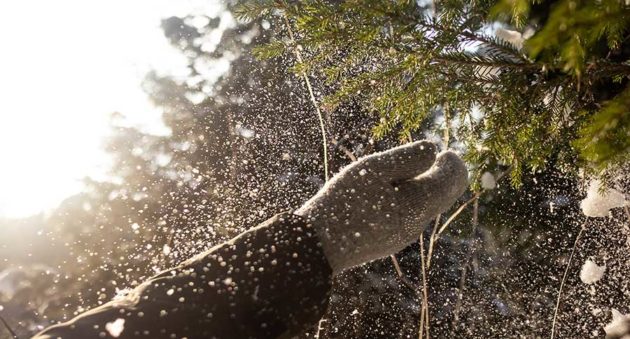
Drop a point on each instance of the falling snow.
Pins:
(598, 204)
(116, 327)
(619, 326)
(488, 181)
(591, 272)
(243, 145)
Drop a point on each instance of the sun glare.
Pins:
(65, 66)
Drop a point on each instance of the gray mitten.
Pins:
(379, 204)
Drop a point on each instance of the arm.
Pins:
(268, 282)
(274, 280)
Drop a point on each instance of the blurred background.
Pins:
(68, 66)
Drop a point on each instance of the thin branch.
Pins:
(564, 278)
(471, 249)
(424, 315)
(402, 277)
(415, 21)
(13, 334)
(344, 149)
(319, 328)
(448, 60)
(298, 55)
(474, 197)
(425, 261)
(433, 240)
(396, 265)
(447, 126)
(458, 211)
(472, 36)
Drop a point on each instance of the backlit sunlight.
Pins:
(65, 66)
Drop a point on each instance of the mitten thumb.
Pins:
(433, 192)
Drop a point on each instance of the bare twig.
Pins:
(463, 206)
(319, 328)
(447, 127)
(433, 240)
(458, 211)
(402, 277)
(425, 261)
(298, 55)
(471, 248)
(396, 265)
(424, 314)
(13, 334)
(344, 149)
(564, 278)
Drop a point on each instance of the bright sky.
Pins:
(65, 66)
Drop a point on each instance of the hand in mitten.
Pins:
(379, 204)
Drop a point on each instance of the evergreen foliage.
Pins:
(520, 83)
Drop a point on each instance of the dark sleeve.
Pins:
(269, 282)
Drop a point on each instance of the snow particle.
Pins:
(362, 172)
(245, 132)
(488, 181)
(515, 38)
(591, 272)
(598, 205)
(116, 327)
(619, 327)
